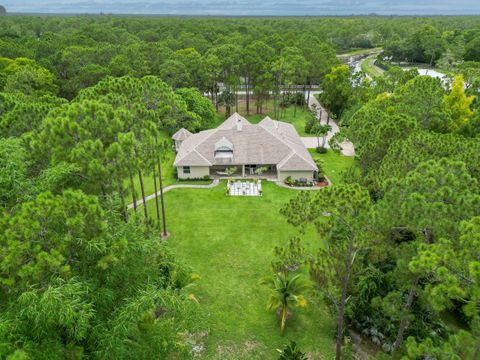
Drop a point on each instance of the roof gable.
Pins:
(232, 122)
(181, 135)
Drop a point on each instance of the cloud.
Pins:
(249, 7)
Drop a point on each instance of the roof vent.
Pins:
(239, 124)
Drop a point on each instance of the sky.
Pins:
(249, 7)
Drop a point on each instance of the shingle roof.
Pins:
(270, 143)
(181, 135)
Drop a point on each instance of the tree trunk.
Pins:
(308, 94)
(122, 200)
(248, 95)
(295, 109)
(145, 211)
(132, 185)
(343, 302)
(427, 232)
(406, 309)
(157, 207)
(236, 98)
(165, 233)
(284, 318)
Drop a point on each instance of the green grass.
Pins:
(298, 120)
(369, 67)
(358, 52)
(334, 164)
(229, 242)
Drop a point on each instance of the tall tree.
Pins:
(340, 215)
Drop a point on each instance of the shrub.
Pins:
(291, 352)
(321, 150)
(289, 181)
(292, 98)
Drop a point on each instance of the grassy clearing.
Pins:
(229, 242)
(334, 164)
(369, 67)
(358, 52)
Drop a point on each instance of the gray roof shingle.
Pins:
(270, 142)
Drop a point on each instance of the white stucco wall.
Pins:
(178, 143)
(296, 175)
(196, 172)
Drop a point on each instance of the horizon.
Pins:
(239, 8)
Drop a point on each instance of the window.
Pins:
(186, 169)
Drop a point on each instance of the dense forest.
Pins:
(87, 108)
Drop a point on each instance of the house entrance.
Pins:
(250, 169)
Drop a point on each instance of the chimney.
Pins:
(239, 125)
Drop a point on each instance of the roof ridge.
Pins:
(203, 157)
(284, 141)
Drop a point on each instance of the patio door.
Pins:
(250, 169)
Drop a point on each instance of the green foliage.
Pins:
(286, 293)
(422, 98)
(291, 352)
(14, 181)
(27, 77)
(199, 105)
(78, 281)
(290, 257)
(337, 89)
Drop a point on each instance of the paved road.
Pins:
(171, 187)
(311, 142)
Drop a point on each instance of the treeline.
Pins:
(80, 277)
(258, 54)
(433, 45)
(399, 260)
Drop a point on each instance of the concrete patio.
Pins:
(244, 188)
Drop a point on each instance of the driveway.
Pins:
(312, 142)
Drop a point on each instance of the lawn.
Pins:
(229, 242)
(369, 67)
(298, 120)
(334, 164)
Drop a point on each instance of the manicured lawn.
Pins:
(229, 242)
(334, 164)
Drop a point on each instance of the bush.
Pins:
(289, 181)
(292, 352)
(310, 123)
(292, 98)
(321, 150)
(205, 178)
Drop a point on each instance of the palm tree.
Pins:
(286, 293)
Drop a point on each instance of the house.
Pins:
(179, 137)
(237, 143)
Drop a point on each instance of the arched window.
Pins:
(223, 148)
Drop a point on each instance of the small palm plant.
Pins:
(286, 293)
(291, 352)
